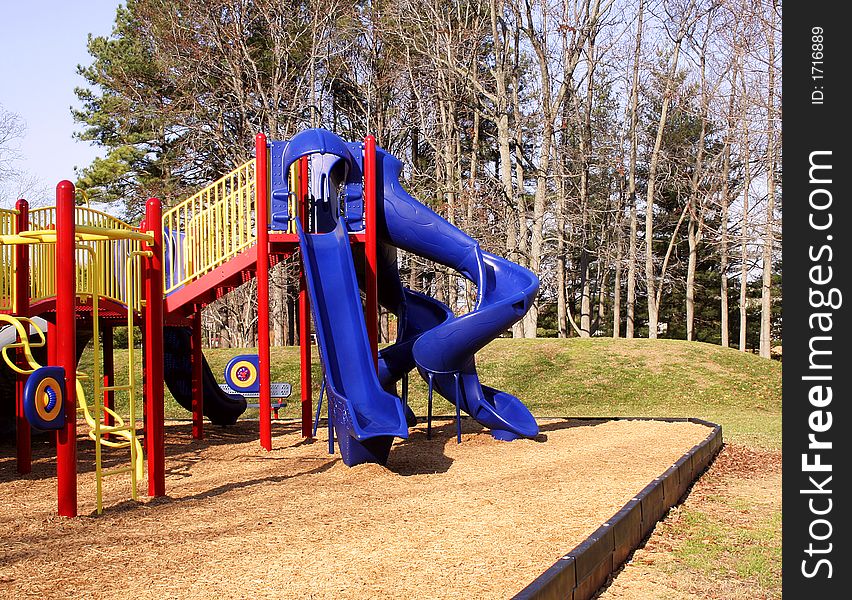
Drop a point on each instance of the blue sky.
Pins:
(41, 44)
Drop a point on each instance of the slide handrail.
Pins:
(210, 227)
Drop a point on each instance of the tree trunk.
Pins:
(561, 251)
(725, 203)
(692, 236)
(696, 205)
(384, 326)
(744, 242)
(766, 288)
(650, 276)
(585, 296)
(470, 296)
(631, 179)
(616, 284)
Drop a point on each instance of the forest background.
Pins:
(627, 152)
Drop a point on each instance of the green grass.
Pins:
(596, 377)
(749, 548)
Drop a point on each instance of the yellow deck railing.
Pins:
(7, 262)
(112, 254)
(214, 225)
(210, 227)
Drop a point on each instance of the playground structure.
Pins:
(86, 272)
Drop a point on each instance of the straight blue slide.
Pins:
(366, 418)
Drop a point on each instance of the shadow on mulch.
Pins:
(416, 455)
(179, 447)
(410, 457)
(239, 485)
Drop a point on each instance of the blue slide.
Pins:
(366, 413)
(366, 417)
(446, 351)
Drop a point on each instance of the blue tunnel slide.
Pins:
(366, 413)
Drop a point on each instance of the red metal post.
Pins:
(107, 347)
(154, 403)
(66, 348)
(305, 312)
(371, 308)
(51, 343)
(262, 220)
(22, 308)
(197, 383)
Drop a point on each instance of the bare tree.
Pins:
(12, 129)
(684, 18)
(771, 163)
(631, 178)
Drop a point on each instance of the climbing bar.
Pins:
(210, 227)
(22, 325)
(115, 388)
(85, 233)
(118, 471)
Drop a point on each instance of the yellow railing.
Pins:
(210, 227)
(214, 225)
(112, 254)
(7, 262)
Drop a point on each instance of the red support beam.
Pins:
(66, 348)
(51, 343)
(197, 383)
(371, 308)
(305, 312)
(262, 220)
(107, 348)
(22, 307)
(154, 383)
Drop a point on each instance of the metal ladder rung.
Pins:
(115, 428)
(118, 471)
(115, 388)
(112, 444)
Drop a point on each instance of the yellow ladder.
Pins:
(99, 432)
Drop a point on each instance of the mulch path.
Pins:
(476, 520)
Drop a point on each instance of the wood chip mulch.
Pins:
(476, 520)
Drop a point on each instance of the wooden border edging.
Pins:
(580, 573)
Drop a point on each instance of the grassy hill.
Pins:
(596, 377)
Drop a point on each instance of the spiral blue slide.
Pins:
(366, 413)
